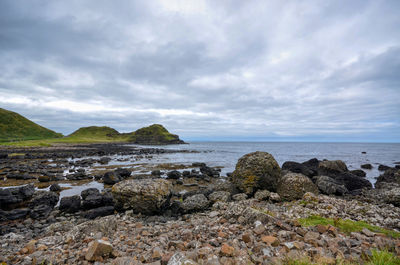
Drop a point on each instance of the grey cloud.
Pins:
(260, 68)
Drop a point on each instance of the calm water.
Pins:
(226, 154)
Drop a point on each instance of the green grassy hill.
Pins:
(95, 132)
(155, 134)
(14, 127)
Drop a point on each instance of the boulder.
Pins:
(97, 249)
(358, 172)
(174, 174)
(330, 186)
(391, 196)
(88, 192)
(97, 212)
(146, 196)
(383, 167)
(312, 164)
(110, 178)
(262, 195)
(352, 182)
(55, 187)
(70, 204)
(12, 197)
(123, 173)
(209, 171)
(258, 170)
(43, 203)
(298, 168)
(95, 200)
(293, 186)
(389, 176)
(14, 214)
(366, 166)
(331, 168)
(194, 203)
(222, 196)
(104, 160)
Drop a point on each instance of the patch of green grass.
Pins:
(383, 258)
(346, 226)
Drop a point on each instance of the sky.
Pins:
(207, 70)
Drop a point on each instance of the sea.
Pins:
(226, 154)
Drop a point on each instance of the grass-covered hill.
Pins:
(95, 131)
(154, 135)
(14, 127)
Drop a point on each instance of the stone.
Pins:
(97, 212)
(274, 197)
(271, 240)
(125, 261)
(227, 250)
(298, 168)
(180, 259)
(321, 228)
(70, 204)
(246, 238)
(194, 203)
(352, 182)
(358, 172)
(110, 178)
(11, 197)
(262, 195)
(99, 248)
(175, 174)
(55, 187)
(310, 237)
(331, 167)
(366, 166)
(222, 196)
(146, 196)
(293, 186)
(367, 232)
(254, 171)
(239, 197)
(329, 186)
(43, 203)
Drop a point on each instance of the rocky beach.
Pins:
(317, 211)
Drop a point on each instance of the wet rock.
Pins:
(196, 202)
(258, 170)
(104, 160)
(70, 204)
(55, 187)
(330, 186)
(366, 166)
(209, 171)
(42, 204)
(331, 168)
(147, 196)
(97, 200)
(383, 167)
(78, 176)
(14, 214)
(123, 173)
(11, 197)
(110, 178)
(99, 248)
(312, 164)
(175, 174)
(298, 168)
(389, 176)
(358, 172)
(97, 212)
(293, 186)
(353, 182)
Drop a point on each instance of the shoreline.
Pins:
(227, 236)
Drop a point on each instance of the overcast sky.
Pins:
(231, 70)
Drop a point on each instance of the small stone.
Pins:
(321, 228)
(213, 214)
(227, 250)
(246, 238)
(259, 229)
(311, 237)
(367, 232)
(31, 246)
(239, 197)
(274, 197)
(156, 253)
(98, 248)
(262, 195)
(271, 240)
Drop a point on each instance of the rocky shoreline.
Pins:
(260, 214)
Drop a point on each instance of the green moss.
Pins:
(346, 226)
(14, 127)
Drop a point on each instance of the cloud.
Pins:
(259, 69)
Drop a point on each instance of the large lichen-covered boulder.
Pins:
(146, 196)
(293, 186)
(258, 170)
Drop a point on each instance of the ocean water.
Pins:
(226, 154)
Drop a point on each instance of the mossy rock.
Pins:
(258, 170)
